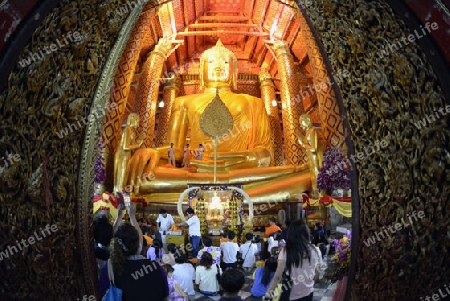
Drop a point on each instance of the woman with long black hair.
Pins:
(263, 276)
(138, 277)
(301, 260)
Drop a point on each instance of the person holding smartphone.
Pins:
(164, 222)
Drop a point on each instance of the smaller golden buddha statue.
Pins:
(314, 149)
(122, 156)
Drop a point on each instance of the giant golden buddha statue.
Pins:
(243, 156)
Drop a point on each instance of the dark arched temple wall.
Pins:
(44, 113)
(391, 88)
(409, 174)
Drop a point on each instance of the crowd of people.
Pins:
(143, 270)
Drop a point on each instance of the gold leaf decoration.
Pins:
(216, 120)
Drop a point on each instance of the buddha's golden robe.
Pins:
(251, 125)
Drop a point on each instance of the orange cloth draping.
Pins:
(106, 201)
(343, 205)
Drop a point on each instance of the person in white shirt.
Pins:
(248, 251)
(194, 230)
(164, 222)
(275, 242)
(229, 251)
(206, 275)
(200, 152)
(184, 274)
(171, 155)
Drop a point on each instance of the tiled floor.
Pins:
(322, 292)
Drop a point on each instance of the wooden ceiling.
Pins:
(247, 27)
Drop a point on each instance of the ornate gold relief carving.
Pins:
(387, 91)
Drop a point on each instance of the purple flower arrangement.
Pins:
(99, 167)
(335, 171)
(340, 262)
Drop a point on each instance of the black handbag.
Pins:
(218, 274)
(240, 260)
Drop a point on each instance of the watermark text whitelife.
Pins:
(97, 113)
(435, 296)
(25, 243)
(406, 40)
(322, 86)
(368, 150)
(431, 118)
(8, 158)
(166, 259)
(61, 42)
(393, 228)
(88, 298)
(129, 6)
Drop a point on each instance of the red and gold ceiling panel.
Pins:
(292, 30)
(271, 15)
(259, 11)
(224, 6)
(178, 14)
(165, 20)
(284, 19)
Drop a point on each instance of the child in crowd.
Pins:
(257, 241)
(176, 293)
(264, 255)
(155, 251)
(263, 276)
(232, 281)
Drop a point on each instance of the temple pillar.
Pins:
(147, 93)
(267, 95)
(170, 92)
(291, 102)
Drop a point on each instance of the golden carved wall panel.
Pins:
(44, 114)
(147, 94)
(322, 86)
(170, 92)
(291, 104)
(112, 126)
(385, 94)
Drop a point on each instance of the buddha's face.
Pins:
(217, 69)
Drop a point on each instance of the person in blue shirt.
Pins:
(263, 276)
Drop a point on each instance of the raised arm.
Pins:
(276, 278)
(132, 213)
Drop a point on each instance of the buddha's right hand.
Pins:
(142, 166)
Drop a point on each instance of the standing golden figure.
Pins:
(314, 149)
(122, 156)
(244, 155)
